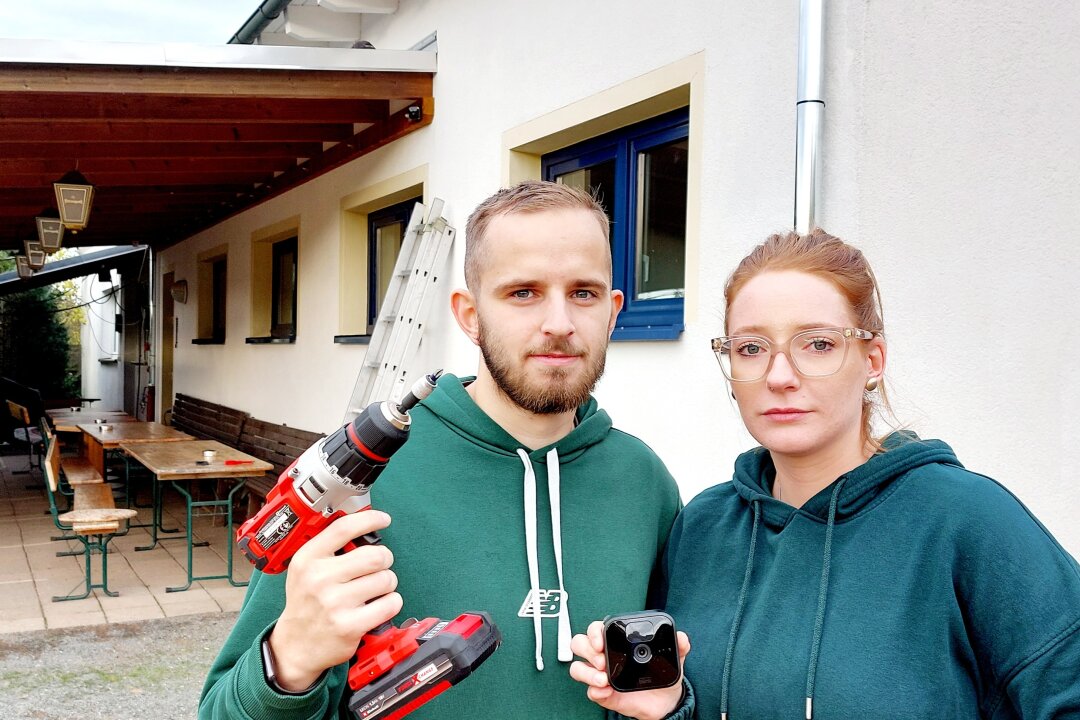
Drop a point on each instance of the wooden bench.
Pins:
(278, 445)
(94, 520)
(79, 471)
(206, 420)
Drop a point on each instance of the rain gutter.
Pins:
(254, 25)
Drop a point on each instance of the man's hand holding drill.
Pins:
(332, 600)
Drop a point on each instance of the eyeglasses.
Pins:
(813, 353)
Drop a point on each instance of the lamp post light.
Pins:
(23, 267)
(50, 230)
(35, 256)
(74, 195)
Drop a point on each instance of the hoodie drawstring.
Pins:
(530, 554)
(552, 458)
(823, 593)
(738, 611)
(819, 618)
(555, 504)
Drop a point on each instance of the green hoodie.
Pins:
(456, 492)
(931, 592)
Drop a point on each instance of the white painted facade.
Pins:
(102, 372)
(950, 157)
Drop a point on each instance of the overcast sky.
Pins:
(210, 22)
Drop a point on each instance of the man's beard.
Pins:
(560, 394)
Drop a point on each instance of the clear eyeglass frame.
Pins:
(721, 347)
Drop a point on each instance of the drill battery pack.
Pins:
(399, 669)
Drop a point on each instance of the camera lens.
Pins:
(642, 653)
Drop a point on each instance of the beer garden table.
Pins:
(100, 437)
(179, 463)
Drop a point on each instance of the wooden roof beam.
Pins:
(36, 107)
(220, 150)
(215, 82)
(175, 132)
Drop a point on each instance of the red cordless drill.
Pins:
(396, 669)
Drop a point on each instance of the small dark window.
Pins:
(218, 285)
(639, 173)
(386, 232)
(283, 290)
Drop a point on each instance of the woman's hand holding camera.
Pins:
(643, 705)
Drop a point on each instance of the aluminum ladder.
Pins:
(404, 309)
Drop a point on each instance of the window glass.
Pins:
(283, 294)
(660, 223)
(218, 284)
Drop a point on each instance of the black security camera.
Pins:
(413, 113)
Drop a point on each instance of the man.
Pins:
(513, 495)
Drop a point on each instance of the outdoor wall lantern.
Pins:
(23, 267)
(35, 256)
(50, 230)
(74, 195)
(179, 291)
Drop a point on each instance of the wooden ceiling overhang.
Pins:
(172, 149)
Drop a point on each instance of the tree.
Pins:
(35, 344)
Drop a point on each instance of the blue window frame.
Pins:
(639, 174)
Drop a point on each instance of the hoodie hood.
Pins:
(862, 487)
(452, 405)
(459, 412)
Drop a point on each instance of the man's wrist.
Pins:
(272, 674)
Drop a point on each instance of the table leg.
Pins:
(156, 519)
(189, 505)
(229, 531)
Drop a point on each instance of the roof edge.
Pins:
(72, 267)
(266, 57)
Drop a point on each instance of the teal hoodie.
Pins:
(908, 588)
(457, 495)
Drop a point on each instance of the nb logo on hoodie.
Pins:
(545, 603)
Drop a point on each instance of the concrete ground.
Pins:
(144, 653)
(31, 574)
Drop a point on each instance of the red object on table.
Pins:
(238, 462)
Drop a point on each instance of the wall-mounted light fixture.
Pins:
(23, 267)
(74, 196)
(35, 256)
(50, 230)
(179, 291)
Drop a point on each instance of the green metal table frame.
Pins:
(99, 544)
(155, 506)
(227, 503)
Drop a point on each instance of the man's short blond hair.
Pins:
(526, 197)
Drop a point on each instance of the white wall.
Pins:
(950, 157)
(100, 341)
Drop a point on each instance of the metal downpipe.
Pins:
(810, 113)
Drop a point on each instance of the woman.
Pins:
(839, 575)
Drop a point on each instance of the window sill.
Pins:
(647, 332)
(271, 340)
(208, 341)
(352, 339)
